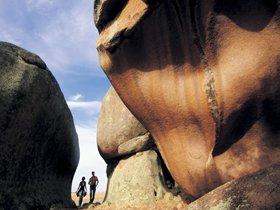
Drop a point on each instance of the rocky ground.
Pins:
(166, 203)
(158, 205)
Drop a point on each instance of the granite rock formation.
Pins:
(202, 77)
(119, 133)
(135, 170)
(39, 145)
(137, 179)
(260, 190)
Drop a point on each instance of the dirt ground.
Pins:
(98, 198)
(158, 205)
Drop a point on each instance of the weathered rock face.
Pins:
(203, 78)
(39, 147)
(136, 173)
(119, 132)
(260, 190)
(137, 179)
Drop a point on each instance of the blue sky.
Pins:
(62, 33)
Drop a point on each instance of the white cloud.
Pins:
(76, 97)
(62, 32)
(90, 107)
(69, 39)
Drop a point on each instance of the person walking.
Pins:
(93, 182)
(81, 191)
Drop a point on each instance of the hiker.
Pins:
(81, 191)
(93, 182)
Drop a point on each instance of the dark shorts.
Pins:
(92, 187)
(81, 193)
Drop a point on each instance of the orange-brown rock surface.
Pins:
(202, 77)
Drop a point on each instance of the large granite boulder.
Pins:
(260, 190)
(136, 172)
(137, 179)
(39, 145)
(119, 133)
(203, 78)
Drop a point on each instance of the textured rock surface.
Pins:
(137, 179)
(106, 10)
(203, 78)
(118, 131)
(39, 147)
(137, 144)
(260, 190)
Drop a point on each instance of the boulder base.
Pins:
(137, 179)
(260, 190)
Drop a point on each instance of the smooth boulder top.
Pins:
(118, 131)
(25, 55)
